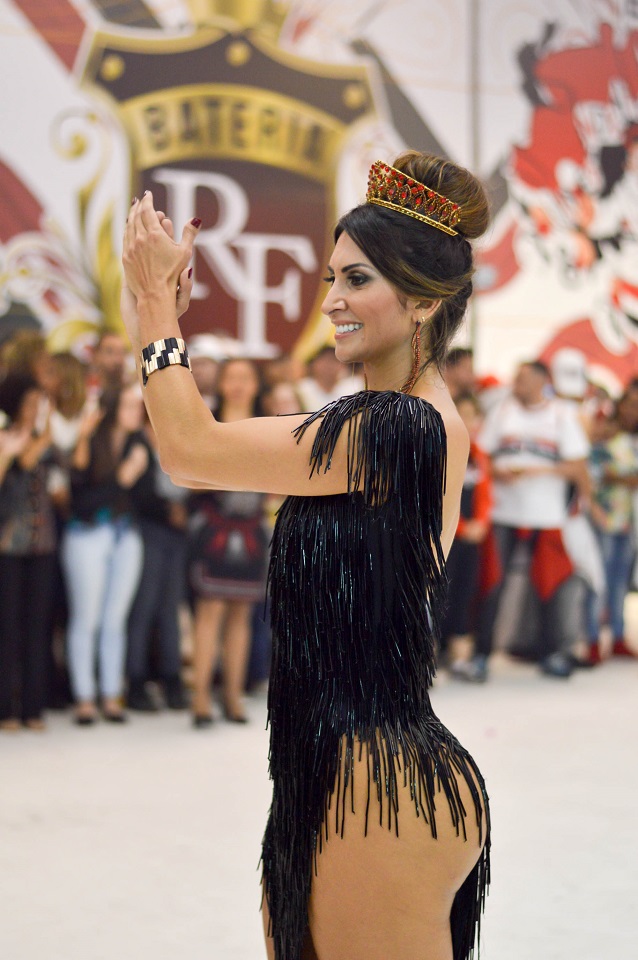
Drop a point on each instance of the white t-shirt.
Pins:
(516, 437)
(313, 397)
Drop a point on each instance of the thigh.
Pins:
(365, 882)
(124, 574)
(40, 581)
(11, 593)
(85, 559)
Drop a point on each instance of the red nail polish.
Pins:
(196, 222)
(190, 273)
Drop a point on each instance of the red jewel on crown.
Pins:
(394, 189)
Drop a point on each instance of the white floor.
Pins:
(142, 843)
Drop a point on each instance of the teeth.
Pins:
(347, 327)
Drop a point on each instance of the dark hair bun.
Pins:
(454, 182)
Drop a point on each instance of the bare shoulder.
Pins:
(458, 441)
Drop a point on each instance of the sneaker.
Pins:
(621, 649)
(473, 670)
(138, 698)
(557, 665)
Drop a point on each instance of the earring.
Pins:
(416, 354)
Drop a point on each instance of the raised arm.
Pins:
(259, 454)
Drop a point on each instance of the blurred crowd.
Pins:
(121, 592)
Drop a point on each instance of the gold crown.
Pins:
(388, 187)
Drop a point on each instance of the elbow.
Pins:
(175, 463)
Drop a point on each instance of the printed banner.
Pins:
(262, 117)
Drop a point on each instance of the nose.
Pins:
(332, 301)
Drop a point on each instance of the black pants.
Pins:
(462, 569)
(156, 606)
(26, 596)
(554, 631)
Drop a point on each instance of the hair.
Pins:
(457, 355)
(420, 261)
(21, 352)
(71, 394)
(103, 458)
(468, 397)
(538, 367)
(104, 335)
(321, 352)
(13, 389)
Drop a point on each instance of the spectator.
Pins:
(614, 462)
(459, 371)
(67, 394)
(205, 352)
(284, 369)
(474, 521)
(537, 448)
(227, 567)
(27, 552)
(326, 381)
(161, 514)
(102, 550)
(108, 367)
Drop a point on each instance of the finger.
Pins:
(145, 212)
(184, 290)
(167, 227)
(189, 233)
(130, 223)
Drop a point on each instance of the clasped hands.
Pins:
(155, 265)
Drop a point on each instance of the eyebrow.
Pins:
(350, 267)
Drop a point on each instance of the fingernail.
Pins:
(133, 201)
(190, 273)
(145, 192)
(196, 222)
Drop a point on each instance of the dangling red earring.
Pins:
(416, 354)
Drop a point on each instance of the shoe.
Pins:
(202, 720)
(591, 659)
(235, 717)
(11, 725)
(594, 656)
(36, 724)
(557, 665)
(115, 716)
(84, 719)
(174, 694)
(139, 699)
(621, 649)
(473, 670)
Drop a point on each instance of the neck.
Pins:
(534, 401)
(388, 372)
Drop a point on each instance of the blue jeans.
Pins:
(617, 552)
(102, 564)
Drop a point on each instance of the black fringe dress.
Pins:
(358, 587)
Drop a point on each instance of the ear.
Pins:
(425, 309)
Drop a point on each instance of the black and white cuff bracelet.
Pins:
(163, 353)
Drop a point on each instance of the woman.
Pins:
(614, 468)
(161, 515)
(228, 562)
(377, 842)
(102, 551)
(463, 562)
(27, 556)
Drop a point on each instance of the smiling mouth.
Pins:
(341, 328)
